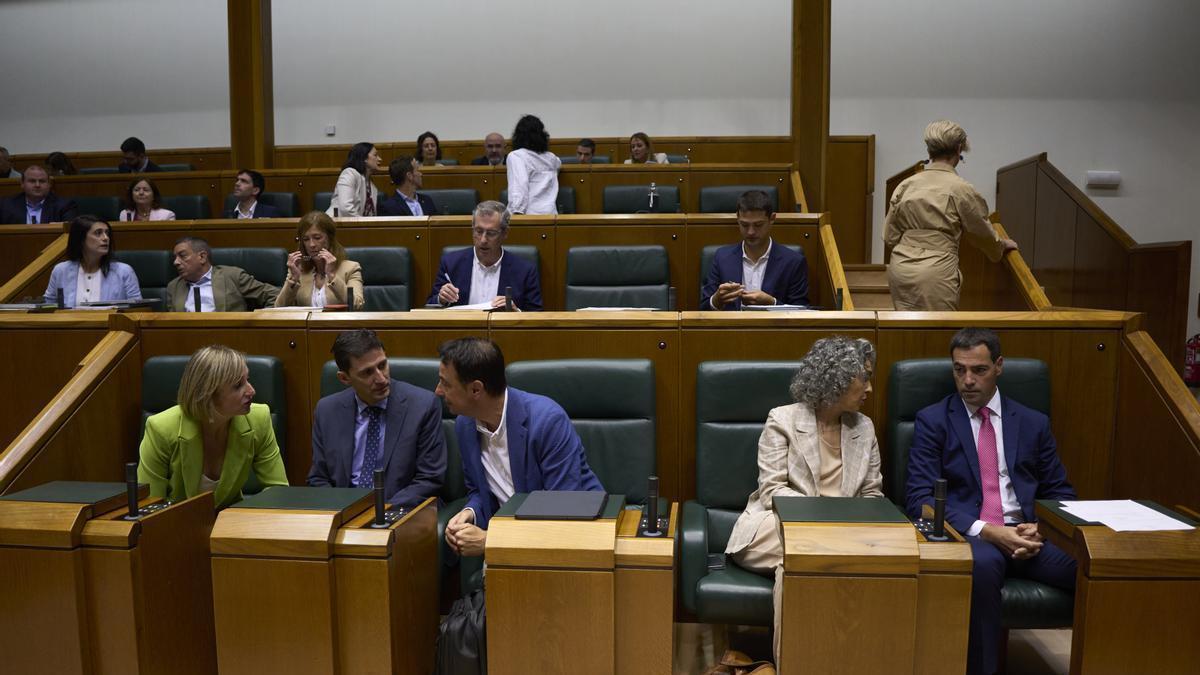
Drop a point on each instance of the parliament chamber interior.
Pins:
(668, 399)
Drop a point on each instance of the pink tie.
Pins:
(989, 471)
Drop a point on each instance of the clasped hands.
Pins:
(463, 536)
(1019, 543)
(448, 295)
(731, 291)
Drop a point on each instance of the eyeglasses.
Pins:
(481, 233)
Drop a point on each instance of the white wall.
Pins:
(1097, 84)
(86, 74)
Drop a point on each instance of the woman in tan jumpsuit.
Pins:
(929, 213)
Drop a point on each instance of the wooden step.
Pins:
(866, 275)
(871, 297)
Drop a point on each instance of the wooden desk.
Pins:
(645, 585)
(943, 604)
(849, 588)
(1136, 594)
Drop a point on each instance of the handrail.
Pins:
(47, 259)
(833, 261)
(1027, 284)
(89, 375)
(1166, 381)
(798, 195)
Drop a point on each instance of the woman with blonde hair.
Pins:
(927, 216)
(318, 272)
(214, 437)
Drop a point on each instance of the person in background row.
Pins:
(318, 272)
(214, 437)
(134, 159)
(585, 150)
(480, 274)
(405, 173)
(89, 274)
(223, 288)
(532, 170)
(6, 167)
(143, 202)
(928, 215)
(493, 151)
(36, 203)
(247, 186)
(429, 149)
(354, 195)
(58, 164)
(641, 151)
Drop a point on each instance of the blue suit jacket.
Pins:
(396, 206)
(944, 447)
(121, 283)
(414, 449)
(515, 271)
(55, 209)
(786, 278)
(544, 453)
(261, 210)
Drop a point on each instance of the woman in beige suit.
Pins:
(318, 272)
(818, 446)
(926, 219)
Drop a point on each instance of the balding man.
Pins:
(493, 151)
(36, 203)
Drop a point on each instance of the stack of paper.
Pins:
(1124, 515)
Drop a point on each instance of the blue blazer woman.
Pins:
(121, 283)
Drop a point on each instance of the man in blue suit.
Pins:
(997, 457)
(405, 173)
(755, 272)
(511, 441)
(247, 186)
(481, 273)
(377, 423)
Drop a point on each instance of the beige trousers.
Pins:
(764, 555)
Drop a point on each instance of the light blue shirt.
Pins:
(361, 420)
(33, 211)
(207, 304)
(414, 205)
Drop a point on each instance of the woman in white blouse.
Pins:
(89, 274)
(143, 202)
(354, 195)
(532, 170)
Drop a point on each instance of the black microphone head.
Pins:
(939, 488)
(131, 472)
(652, 486)
(378, 478)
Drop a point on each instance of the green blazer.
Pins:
(172, 455)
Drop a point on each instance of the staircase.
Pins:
(869, 286)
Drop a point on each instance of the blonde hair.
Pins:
(209, 370)
(943, 138)
(321, 221)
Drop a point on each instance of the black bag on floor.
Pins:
(462, 638)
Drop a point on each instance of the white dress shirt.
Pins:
(207, 304)
(493, 448)
(248, 213)
(87, 289)
(414, 204)
(1008, 496)
(485, 281)
(318, 295)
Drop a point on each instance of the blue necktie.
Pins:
(371, 453)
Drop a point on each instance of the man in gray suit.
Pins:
(377, 423)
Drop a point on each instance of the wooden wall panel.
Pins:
(1016, 196)
(1101, 267)
(20, 244)
(1159, 276)
(1053, 262)
(849, 194)
(204, 159)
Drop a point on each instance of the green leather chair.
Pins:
(96, 170)
(154, 271)
(268, 265)
(611, 405)
(180, 167)
(457, 202)
(387, 277)
(104, 208)
(596, 159)
(617, 276)
(678, 159)
(448, 162)
(321, 201)
(917, 383)
(636, 199)
(723, 198)
(160, 385)
(732, 402)
(565, 201)
(288, 203)
(188, 207)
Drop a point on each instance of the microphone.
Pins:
(508, 307)
(196, 298)
(939, 511)
(652, 508)
(335, 212)
(131, 490)
(380, 517)
(349, 298)
(653, 195)
(59, 299)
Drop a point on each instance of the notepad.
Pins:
(1123, 515)
(561, 505)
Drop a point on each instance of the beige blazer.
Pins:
(347, 274)
(789, 462)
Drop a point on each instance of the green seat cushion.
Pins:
(723, 198)
(617, 276)
(734, 595)
(387, 277)
(1028, 604)
(188, 207)
(104, 208)
(268, 265)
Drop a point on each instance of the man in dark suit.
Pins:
(997, 457)
(134, 159)
(247, 186)
(755, 272)
(481, 274)
(36, 203)
(493, 151)
(405, 173)
(377, 423)
(511, 441)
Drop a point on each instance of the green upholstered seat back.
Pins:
(288, 203)
(421, 373)
(268, 265)
(160, 386)
(636, 199)
(617, 276)
(596, 159)
(104, 208)
(677, 159)
(456, 202)
(176, 167)
(188, 207)
(154, 271)
(387, 276)
(723, 198)
(529, 253)
(611, 405)
(321, 201)
(87, 170)
(917, 383)
(565, 201)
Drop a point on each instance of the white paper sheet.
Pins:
(1124, 515)
(484, 306)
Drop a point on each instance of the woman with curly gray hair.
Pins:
(820, 446)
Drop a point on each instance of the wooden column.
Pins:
(810, 96)
(251, 96)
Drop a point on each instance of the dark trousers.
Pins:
(991, 567)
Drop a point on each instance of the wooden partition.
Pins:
(202, 158)
(1084, 259)
(19, 244)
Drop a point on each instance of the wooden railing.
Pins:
(798, 195)
(837, 275)
(1028, 286)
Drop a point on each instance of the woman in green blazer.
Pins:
(214, 437)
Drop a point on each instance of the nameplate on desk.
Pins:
(561, 505)
(837, 510)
